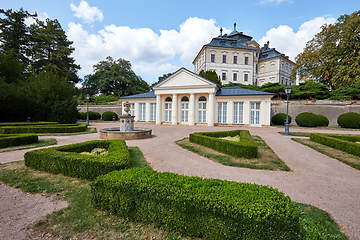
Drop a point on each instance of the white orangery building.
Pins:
(189, 99)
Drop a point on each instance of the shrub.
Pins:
(280, 119)
(26, 123)
(51, 128)
(206, 208)
(308, 119)
(245, 148)
(93, 115)
(9, 140)
(81, 116)
(341, 142)
(68, 161)
(109, 116)
(349, 120)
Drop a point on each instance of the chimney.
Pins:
(234, 26)
(221, 31)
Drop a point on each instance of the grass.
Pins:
(40, 143)
(347, 158)
(81, 221)
(297, 134)
(88, 131)
(266, 159)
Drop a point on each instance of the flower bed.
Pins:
(9, 140)
(69, 161)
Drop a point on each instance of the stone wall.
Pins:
(331, 109)
(101, 108)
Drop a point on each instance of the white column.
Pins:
(192, 110)
(147, 112)
(174, 110)
(230, 112)
(246, 112)
(158, 109)
(137, 111)
(211, 109)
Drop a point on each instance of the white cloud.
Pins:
(41, 16)
(290, 42)
(87, 13)
(274, 1)
(148, 51)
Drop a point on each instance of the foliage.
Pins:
(211, 75)
(346, 92)
(81, 116)
(246, 147)
(310, 90)
(51, 128)
(93, 115)
(280, 119)
(25, 123)
(160, 79)
(109, 116)
(104, 99)
(114, 77)
(208, 208)
(341, 142)
(332, 56)
(308, 119)
(349, 120)
(8, 140)
(68, 161)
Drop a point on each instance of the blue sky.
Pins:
(162, 36)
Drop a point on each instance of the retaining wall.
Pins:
(101, 108)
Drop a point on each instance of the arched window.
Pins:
(168, 99)
(185, 99)
(202, 110)
(202, 99)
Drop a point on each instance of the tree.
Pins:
(332, 57)
(114, 77)
(211, 75)
(161, 78)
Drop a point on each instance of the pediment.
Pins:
(184, 78)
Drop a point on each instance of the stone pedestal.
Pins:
(126, 123)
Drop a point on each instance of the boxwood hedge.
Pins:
(280, 119)
(208, 208)
(68, 161)
(245, 148)
(349, 120)
(109, 116)
(25, 123)
(43, 128)
(9, 140)
(344, 143)
(308, 119)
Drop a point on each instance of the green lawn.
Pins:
(40, 143)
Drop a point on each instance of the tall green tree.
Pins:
(114, 77)
(161, 78)
(333, 55)
(210, 75)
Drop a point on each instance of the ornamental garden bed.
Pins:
(13, 128)
(209, 208)
(10, 140)
(82, 160)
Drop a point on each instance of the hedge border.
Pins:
(209, 208)
(9, 140)
(68, 161)
(8, 124)
(341, 142)
(52, 128)
(245, 148)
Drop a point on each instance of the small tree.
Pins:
(210, 75)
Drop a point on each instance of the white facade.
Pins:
(187, 98)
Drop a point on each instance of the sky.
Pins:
(160, 36)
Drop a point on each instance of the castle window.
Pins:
(246, 77)
(235, 59)
(212, 58)
(234, 77)
(246, 60)
(224, 59)
(223, 76)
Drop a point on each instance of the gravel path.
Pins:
(315, 178)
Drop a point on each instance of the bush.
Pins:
(205, 208)
(245, 148)
(9, 140)
(308, 119)
(68, 161)
(280, 119)
(341, 142)
(26, 123)
(349, 120)
(50, 128)
(81, 115)
(109, 116)
(93, 115)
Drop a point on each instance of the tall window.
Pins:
(235, 59)
(167, 109)
(234, 77)
(212, 58)
(224, 58)
(238, 112)
(255, 113)
(132, 109)
(184, 109)
(222, 112)
(152, 111)
(223, 76)
(246, 60)
(246, 77)
(202, 110)
(142, 111)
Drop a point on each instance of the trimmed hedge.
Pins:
(344, 143)
(81, 116)
(108, 116)
(3, 124)
(245, 148)
(51, 128)
(280, 119)
(308, 119)
(349, 120)
(205, 208)
(93, 115)
(68, 161)
(9, 140)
